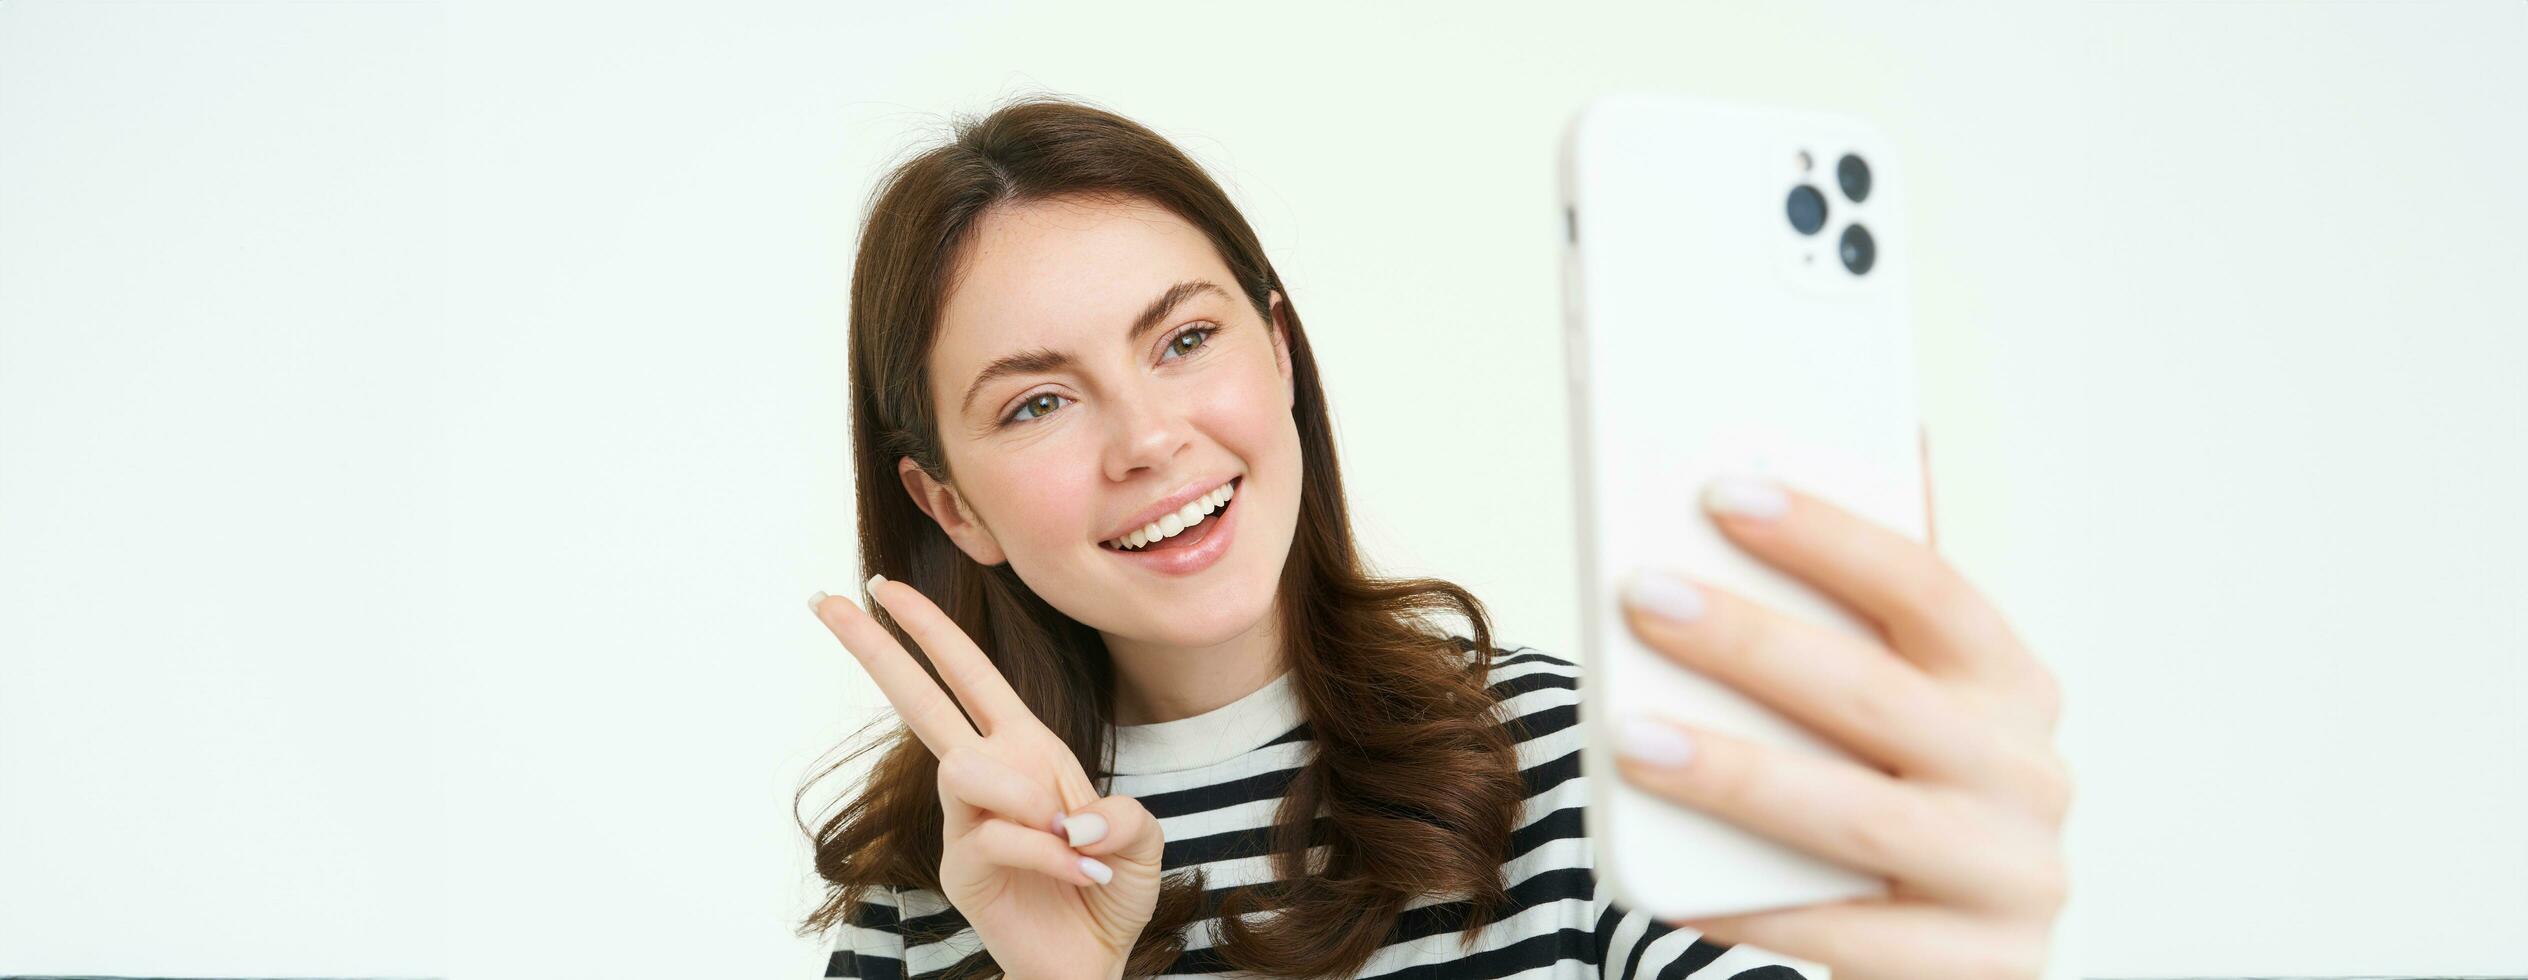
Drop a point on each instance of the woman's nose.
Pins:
(1143, 433)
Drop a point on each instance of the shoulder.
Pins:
(1538, 693)
(1508, 660)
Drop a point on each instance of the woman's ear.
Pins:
(947, 507)
(1281, 350)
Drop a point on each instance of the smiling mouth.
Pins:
(1191, 534)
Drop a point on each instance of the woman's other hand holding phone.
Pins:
(1961, 803)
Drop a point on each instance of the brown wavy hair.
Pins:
(1418, 778)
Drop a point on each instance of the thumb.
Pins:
(1116, 826)
(1128, 841)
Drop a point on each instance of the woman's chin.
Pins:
(1213, 620)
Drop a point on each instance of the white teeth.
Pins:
(1171, 525)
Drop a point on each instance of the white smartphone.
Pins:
(1735, 303)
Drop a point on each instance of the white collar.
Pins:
(1214, 736)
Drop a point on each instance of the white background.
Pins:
(420, 426)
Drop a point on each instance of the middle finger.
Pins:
(979, 684)
(1837, 684)
(918, 700)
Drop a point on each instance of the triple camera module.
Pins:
(1807, 211)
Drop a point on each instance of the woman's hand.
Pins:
(1005, 861)
(1964, 808)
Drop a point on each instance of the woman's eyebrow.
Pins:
(1040, 359)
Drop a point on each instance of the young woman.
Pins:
(1162, 721)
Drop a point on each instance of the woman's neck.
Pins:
(1156, 683)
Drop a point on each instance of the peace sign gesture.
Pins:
(1057, 881)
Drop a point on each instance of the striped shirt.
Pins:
(1215, 780)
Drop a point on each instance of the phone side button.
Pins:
(1572, 351)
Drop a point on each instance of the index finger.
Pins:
(1931, 614)
(919, 701)
(978, 684)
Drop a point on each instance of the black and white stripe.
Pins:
(1217, 816)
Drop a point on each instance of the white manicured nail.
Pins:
(814, 599)
(1740, 496)
(873, 583)
(1654, 742)
(1086, 828)
(1661, 594)
(1096, 870)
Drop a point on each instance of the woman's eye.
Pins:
(1177, 344)
(1021, 416)
(1043, 404)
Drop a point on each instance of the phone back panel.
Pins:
(1707, 337)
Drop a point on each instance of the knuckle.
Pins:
(1000, 839)
(2049, 882)
(956, 767)
(2045, 695)
(1139, 820)
(1738, 629)
(2054, 789)
(1884, 834)
(976, 848)
(1119, 808)
(1722, 772)
(1888, 703)
(2039, 778)
(941, 716)
(1039, 741)
(1942, 595)
(1938, 595)
(1015, 740)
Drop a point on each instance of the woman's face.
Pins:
(1110, 401)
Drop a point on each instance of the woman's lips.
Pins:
(1194, 532)
(1197, 553)
(1192, 536)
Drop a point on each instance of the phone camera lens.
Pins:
(1807, 208)
(1854, 175)
(1859, 252)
